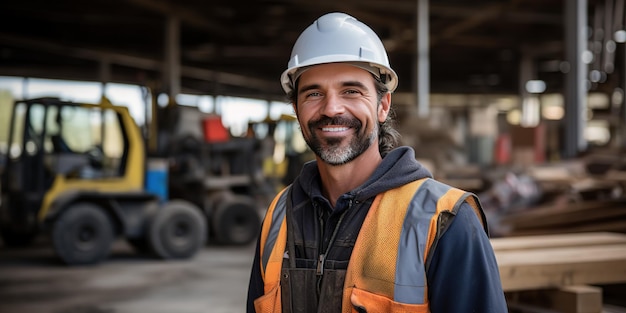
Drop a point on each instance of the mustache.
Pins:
(336, 120)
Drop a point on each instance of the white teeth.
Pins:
(334, 129)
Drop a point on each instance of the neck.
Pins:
(339, 179)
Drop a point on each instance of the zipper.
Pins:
(321, 259)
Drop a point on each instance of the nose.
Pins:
(333, 105)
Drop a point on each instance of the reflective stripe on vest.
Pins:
(419, 230)
(400, 228)
(273, 240)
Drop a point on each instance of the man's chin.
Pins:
(337, 158)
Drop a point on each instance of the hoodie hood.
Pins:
(398, 167)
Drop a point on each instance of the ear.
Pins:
(383, 108)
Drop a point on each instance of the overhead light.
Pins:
(598, 100)
(535, 86)
(163, 99)
(617, 97)
(620, 36)
(610, 46)
(514, 117)
(530, 112)
(596, 76)
(553, 112)
(587, 57)
(505, 104)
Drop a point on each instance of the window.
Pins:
(89, 131)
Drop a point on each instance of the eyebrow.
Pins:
(307, 88)
(343, 84)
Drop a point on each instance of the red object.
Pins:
(214, 130)
(503, 149)
(530, 137)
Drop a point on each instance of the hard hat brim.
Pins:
(289, 77)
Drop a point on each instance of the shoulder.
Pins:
(464, 231)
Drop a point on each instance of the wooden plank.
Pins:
(577, 299)
(613, 225)
(608, 308)
(568, 299)
(556, 240)
(566, 213)
(555, 267)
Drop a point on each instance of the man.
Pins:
(364, 227)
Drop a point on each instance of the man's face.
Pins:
(338, 111)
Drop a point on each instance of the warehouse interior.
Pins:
(522, 102)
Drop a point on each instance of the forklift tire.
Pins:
(178, 230)
(83, 234)
(236, 221)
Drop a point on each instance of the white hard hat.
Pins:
(338, 37)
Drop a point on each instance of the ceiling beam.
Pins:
(486, 13)
(511, 16)
(137, 62)
(187, 16)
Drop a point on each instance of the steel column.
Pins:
(623, 106)
(171, 72)
(576, 79)
(104, 72)
(423, 59)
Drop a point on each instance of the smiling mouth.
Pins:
(334, 126)
(335, 129)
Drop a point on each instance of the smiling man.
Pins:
(364, 227)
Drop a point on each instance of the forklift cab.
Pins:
(77, 171)
(55, 146)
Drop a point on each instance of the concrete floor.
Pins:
(216, 281)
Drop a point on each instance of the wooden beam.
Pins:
(554, 267)
(562, 215)
(567, 299)
(617, 224)
(578, 299)
(557, 240)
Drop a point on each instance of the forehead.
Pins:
(335, 73)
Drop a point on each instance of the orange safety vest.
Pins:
(400, 228)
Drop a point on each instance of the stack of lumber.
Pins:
(578, 196)
(569, 217)
(563, 267)
(548, 261)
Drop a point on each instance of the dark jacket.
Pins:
(463, 274)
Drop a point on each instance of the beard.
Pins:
(332, 150)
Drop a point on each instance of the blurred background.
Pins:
(156, 132)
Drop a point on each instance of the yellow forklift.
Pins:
(79, 173)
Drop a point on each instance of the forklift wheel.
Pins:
(82, 234)
(236, 221)
(178, 230)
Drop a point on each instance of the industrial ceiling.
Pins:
(240, 48)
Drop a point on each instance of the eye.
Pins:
(313, 94)
(352, 92)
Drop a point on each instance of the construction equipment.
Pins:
(219, 173)
(284, 150)
(79, 173)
